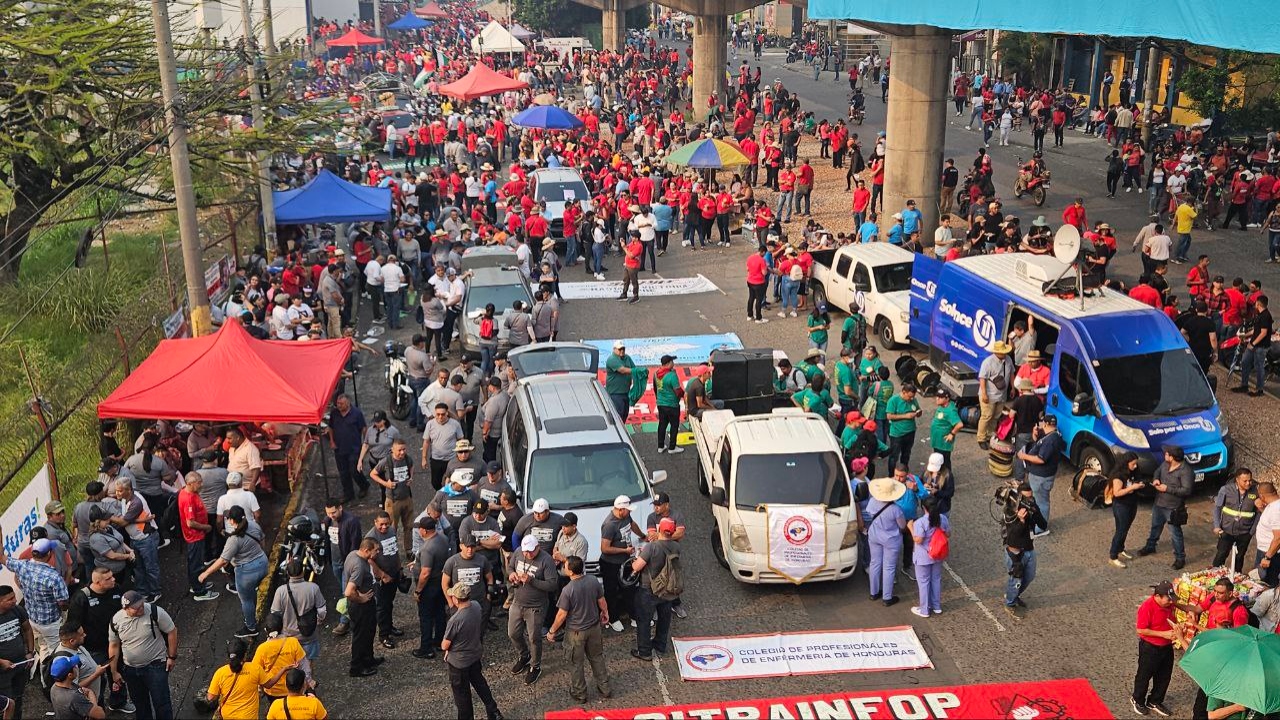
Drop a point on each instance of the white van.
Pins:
(563, 441)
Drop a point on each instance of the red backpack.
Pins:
(939, 544)
(488, 329)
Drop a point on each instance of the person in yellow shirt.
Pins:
(1184, 219)
(234, 687)
(297, 705)
(277, 652)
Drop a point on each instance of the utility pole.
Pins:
(1150, 91)
(377, 18)
(269, 32)
(261, 159)
(180, 160)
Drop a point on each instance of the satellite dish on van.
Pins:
(1066, 244)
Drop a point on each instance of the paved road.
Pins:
(1080, 617)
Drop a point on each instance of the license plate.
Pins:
(1199, 477)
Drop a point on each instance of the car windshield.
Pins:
(502, 296)
(893, 278)
(561, 191)
(581, 477)
(803, 479)
(1168, 382)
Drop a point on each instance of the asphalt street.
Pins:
(1080, 617)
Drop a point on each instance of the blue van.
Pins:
(1122, 376)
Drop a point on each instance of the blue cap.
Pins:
(63, 665)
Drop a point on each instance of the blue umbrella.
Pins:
(410, 22)
(549, 117)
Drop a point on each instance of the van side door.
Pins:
(1071, 380)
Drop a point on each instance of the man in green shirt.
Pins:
(811, 365)
(815, 398)
(846, 380)
(853, 334)
(944, 426)
(617, 379)
(666, 389)
(902, 410)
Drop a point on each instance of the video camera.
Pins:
(1010, 501)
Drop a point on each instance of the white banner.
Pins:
(802, 653)
(25, 512)
(649, 287)
(797, 540)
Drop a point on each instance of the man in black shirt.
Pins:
(950, 179)
(1255, 349)
(1201, 334)
(1020, 549)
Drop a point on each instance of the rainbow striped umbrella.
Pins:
(708, 154)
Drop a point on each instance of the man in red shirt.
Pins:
(1222, 608)
(786, 192)
(724, 211)
(536, 226)
(1074, 215)
(193, 518)
(1241, 189)
(804, 186)
(1198, 278)
(1156, 632)
(631, 267)
(1144, 293)
(757, 282)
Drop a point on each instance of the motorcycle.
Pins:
(857, 114)
(304, 544)
(397, 376)
(1036, 185)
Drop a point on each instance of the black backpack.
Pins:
(46, 671)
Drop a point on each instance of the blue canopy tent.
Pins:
(330, 199)
(548, 117)
(1214, 24)
(410, 22)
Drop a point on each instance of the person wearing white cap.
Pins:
(618, 535)
(44, 591)
(617, 383)
(456, 497)
(541, 524)
(532, 575)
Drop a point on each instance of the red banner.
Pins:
(1048, 700)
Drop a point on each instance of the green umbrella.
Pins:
(1239, 665)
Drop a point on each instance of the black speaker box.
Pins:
(742, 374)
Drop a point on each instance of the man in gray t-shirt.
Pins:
(995, 379)
(491, 418)
(69, 700)
(143, 634)
(464, 652)
(438, 440)
(582, 610)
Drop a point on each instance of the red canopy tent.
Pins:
(354, 38)
(229, 377)
(479, 82)
(431, 11)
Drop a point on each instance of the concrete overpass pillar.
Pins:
(916, 123)
(709, 57)
(613, 26)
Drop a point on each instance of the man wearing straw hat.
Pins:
(994, 378)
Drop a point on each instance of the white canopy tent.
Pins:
(496, 39)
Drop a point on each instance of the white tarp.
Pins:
(496, 39)
(801, 653)
(797, 540)
(25, 512)
(649, 287)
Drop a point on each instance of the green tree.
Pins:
(80, 110)
(1242, 87)
(1029, 55)
(541, 15)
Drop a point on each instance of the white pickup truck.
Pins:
(769, 477)
(873, 276)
